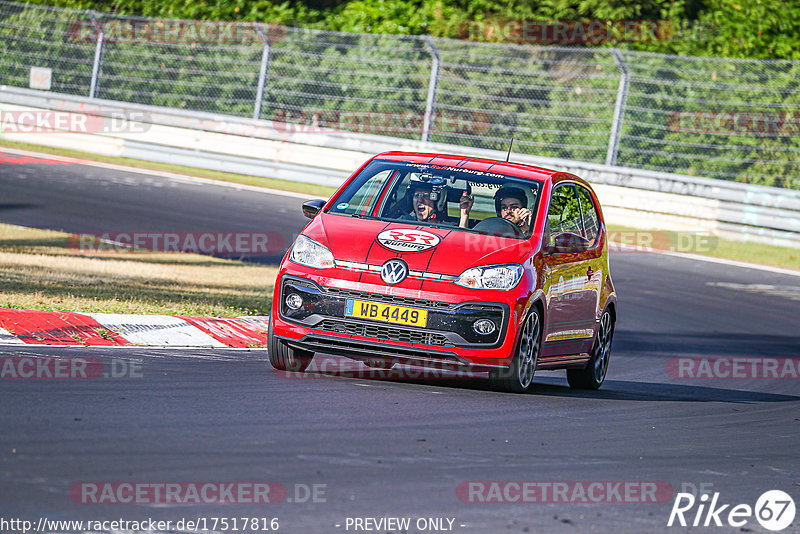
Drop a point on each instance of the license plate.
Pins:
(386, 312)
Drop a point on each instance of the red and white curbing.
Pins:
(35, 327)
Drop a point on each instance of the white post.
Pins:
(619, 108)
(262, 73)
(431, 102)
(98, 55)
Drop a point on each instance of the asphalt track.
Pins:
(400, 448)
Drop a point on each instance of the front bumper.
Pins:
(320, 325)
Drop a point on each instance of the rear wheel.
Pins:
(285, 358)
(594, 374)
(518, 377)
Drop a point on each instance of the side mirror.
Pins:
(312, 207)
(567, 242)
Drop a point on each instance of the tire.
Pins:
(518, 377)
(593, 375)
(285, 358)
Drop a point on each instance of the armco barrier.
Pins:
(264, 148)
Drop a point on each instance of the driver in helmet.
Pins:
(511, 203)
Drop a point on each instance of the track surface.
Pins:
(400, 448)
(88, 199)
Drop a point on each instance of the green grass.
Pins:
(39, 270)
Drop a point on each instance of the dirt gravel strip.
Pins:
(62, 328)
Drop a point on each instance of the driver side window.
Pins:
(564, 214)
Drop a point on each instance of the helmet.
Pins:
(508, 191)
(435, 185)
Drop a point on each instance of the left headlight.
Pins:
(492, 276)
(308, 252)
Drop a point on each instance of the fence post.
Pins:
(262, 73)
(432, 84)
(619, 108)
(98, 54)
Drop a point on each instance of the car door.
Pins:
(594, 256)
(569, 319)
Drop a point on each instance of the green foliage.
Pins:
(744, 29)
(739, 28)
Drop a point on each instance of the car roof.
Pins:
(478, 164)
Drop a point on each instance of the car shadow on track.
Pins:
(619, 390)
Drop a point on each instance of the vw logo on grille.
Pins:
(394, 271)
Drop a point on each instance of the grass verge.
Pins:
(39, 271)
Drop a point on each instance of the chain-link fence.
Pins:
(722, 118)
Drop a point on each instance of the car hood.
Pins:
(449, 252)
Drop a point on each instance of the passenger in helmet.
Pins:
(430, 205)
(422, 205)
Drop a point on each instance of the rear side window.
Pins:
(591, 221)
(564, 214)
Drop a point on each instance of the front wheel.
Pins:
(518, 377)
(593, 375)
(285, 358)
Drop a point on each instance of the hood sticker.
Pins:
(408, 240)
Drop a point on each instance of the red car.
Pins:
(430, 259)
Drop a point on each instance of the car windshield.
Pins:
(434, 195)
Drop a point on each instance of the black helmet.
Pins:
(508, 191)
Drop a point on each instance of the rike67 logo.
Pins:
(774, 510)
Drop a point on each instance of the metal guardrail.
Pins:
(748, 211)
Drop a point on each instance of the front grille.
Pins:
(383, 332)
(389, 299)
(354, 348)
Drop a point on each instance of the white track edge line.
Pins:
(712, 259)
(164, 174)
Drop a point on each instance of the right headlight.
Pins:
(492, 276)
(308, 252)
